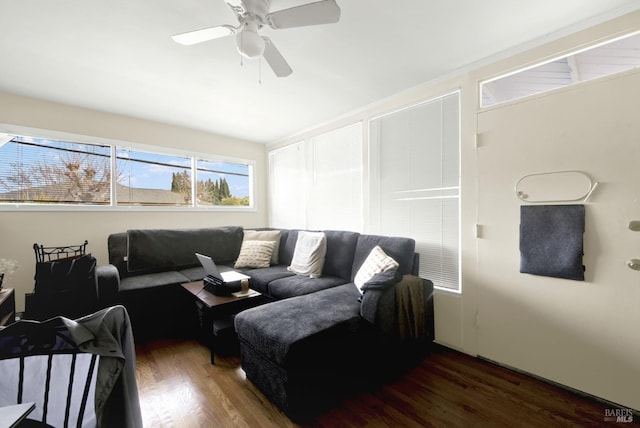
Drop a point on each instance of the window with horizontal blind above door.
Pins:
(415, 182)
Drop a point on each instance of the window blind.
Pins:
(287, 188)
(415, 174)
(335, 188)
(36, 170)
(317, 183)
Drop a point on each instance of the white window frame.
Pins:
(576, 78)
(10, 130)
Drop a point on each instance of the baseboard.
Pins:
(636, 412)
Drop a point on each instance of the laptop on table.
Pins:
(215, 277)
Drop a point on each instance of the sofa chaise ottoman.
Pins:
(306, 352)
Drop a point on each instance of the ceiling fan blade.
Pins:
(237, 6)
(206, 34)
(321, 12)
(275, 59)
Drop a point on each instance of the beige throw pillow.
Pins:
(308, 256)
(265, 235)
(255, 254)
(376, 262)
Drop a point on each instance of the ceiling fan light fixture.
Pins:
(250, 44)
(252, 15)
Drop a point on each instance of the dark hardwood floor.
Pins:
(180, 388)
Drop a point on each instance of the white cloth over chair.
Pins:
(79, 373)
(61, 385)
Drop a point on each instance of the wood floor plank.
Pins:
(180, 388)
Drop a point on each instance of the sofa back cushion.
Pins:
(309, 255)
(272, 235)
(285, 254)
(287, 246)
(341, 247)
(117, 247)
(150, 250)
(400, 249)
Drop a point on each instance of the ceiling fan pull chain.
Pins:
(241, 37)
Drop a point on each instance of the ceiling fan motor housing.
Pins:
(257, 7)
(249, 42)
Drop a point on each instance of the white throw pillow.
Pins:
(377, 262)
(255, 254)
(266, 235)
(308, 256)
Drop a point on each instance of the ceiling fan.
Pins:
(252, 16)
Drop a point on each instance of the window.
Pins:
(335, 187)
(414, 177)
(611, 57)
(45, 171)
(415, 174)
(152, 179)
(317, 183)
(223, 183)
(287, 190)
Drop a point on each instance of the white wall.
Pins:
(19, 230)
(581, 334)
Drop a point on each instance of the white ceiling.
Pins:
(117, 56)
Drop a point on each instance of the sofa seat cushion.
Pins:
(150, 280)
(260, 278)
(298, 285)
(281, 331)
(195, 273)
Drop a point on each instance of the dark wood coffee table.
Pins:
(218, 311)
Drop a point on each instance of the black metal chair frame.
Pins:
(48, 254)
(56, 291)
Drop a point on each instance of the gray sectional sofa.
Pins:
(316, 338)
